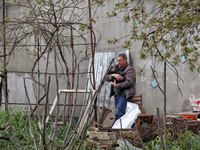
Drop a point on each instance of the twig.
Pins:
(138, 134)
(85, 102)
(1, 86)
(159, 127)
(57, 110)
(85, 127)
(72, 115)
(83, 130)
(32, 113)
(157, 81)
(176, 72)
(45, 113)
(73, 111)
(95, 94)
(121, 128)
(4, 138)
(6, 107)
(165, 128)
(29, 121)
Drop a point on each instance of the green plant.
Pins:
(20, 124)
(185, 141)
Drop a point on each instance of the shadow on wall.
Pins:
(186, 106)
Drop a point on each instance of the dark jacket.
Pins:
(128, 82)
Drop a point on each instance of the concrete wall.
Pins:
(21, 63)
(107, 29)
(152, 97)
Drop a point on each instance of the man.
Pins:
(122, 78)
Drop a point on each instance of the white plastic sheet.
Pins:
(195, 103)
(127, 120)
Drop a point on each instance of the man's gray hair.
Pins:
(123, 55)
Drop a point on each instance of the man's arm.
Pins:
(110, 75)
(129, 80)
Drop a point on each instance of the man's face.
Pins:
(121, 62)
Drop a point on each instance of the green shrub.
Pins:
(20, 124)
(185, 141)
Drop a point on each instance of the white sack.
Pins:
(127, 120)
(194, 103)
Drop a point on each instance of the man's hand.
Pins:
(114, 83)
(118, 77)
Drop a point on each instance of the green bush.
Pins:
(185, 141)
(20, 124)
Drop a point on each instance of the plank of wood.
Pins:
(85, 115)
(110, 119)
(105, 115)
(185, 113)
(101, 114)
(99, 109)
(173, 116)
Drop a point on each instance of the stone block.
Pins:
(99, 135)
(101, 144)
(112, 135)
(130, 134)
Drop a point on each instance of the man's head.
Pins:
(121, 60)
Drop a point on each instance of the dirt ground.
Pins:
(150, 132)
(174, 126)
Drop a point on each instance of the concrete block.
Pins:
(112, 135)
(105, 144)
(99, 135)
(130, 134)
(101, 144)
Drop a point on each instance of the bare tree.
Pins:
(47, 28)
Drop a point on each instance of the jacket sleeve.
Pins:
(130, 79)
(109, 76)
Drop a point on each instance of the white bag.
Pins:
(127, 120)
(195, 103)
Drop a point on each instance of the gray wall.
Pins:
(152, 97)
(109, 28)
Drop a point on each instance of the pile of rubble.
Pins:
(106, 138)
(103, 140)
